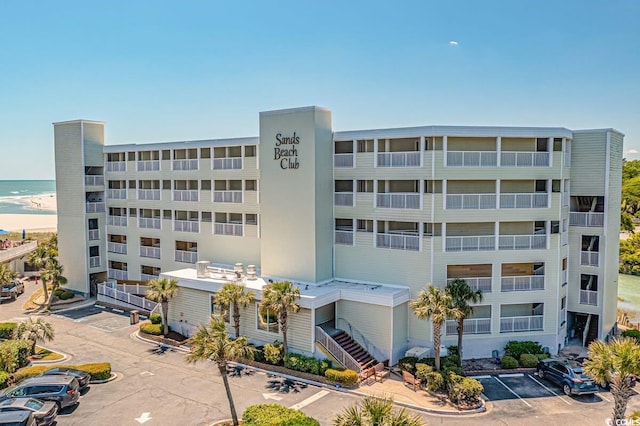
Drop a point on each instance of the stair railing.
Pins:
(361, 339)
(336, 350)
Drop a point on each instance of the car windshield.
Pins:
(34, 404)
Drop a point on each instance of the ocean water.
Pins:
(15, 195)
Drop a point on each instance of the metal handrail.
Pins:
(121, 297)
(359, 337)
(336, 350)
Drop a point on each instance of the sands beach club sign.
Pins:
(286, 151)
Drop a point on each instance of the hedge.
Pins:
(422, 370)
(345, 377)
(528, 360)
(306, 364)
(508, 362)
(632, 333)
(276, 415)
(98, 371)
(4, 378)
(465, 391)
(63, 294)
(435, 382)
(155, 318)
(273, 353)
(515, 349)
(153, 329)
(7, 329)
(14, 354)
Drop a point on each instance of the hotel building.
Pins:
(361, 221)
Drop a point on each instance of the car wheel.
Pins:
(541, 373)
(566, 389)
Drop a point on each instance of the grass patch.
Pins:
(43, 354)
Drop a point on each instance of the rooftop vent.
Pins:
(238, 270)
(201, 269)
(251, 272)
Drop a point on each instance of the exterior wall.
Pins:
(399, 332)
(188, 309)
(359, 316)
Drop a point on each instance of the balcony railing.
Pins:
(343, 199)
(94, 180)
(589, 258)
(398, 200)
(116, 166)
(522, 242)
(118, 274)
(589, 297)
(343, 160)
(149, 194)
(518, 324)
(471, 326)
(524, 201)
(185, 195)
(148, 277)
(117, 194)
(471, 243)
(148, 251)
(227, 163)
(398, 241)
(593, 219)
(522, 283)
(186, 226)
(148, 165)
(117, 220)
(185, 164)
(399, 159)
(186, 256)
(120, 248)
(524, 159)
(235, 229)
(227, 196)
(98, 207)
(94, 234)
(344, 237)
(471, 201)
(149, 222)
(94, 262)
(472, 158)
(483, 284)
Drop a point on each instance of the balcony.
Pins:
(343, 199)
(522, 283)
(520, 324)
(185, 164)
(147, 251)
(186, 256)
(471, 326)
(471, 201)
(227, 163)
(234, 229)
(398, 200)
(118, 274)
(589, 297)
(149, 194)
(399, 159)
(94, 234)
(343, 160)
(120, 248)
(116, 194)
(148, 277)
(472, 158)
(98, 207)
(410, 242)
(117, 220)
(185, 195)
(344, 237)
(116, 166)
(524, 159)
(471, 243)
(186, 226)
(227, 196)
(94, 180)
(524, 201)
(589, 258)
(483, 284)
(149, 223)
(148, 165)
(94, 262)
(589, 219)
(522, 242)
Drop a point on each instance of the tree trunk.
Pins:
(460, 333)
(283, 328)
(50, 299)
(165, 316)
(46, 295)
(621, 391)
(222, 367)
(236, 319)
(33, 347)
(436, 344)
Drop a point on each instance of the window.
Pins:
(541, 186)
(166, 154)
(365, 145)
(166, 214)
(365, 186)
(555, 185)
(557, 144)
(433, 187)
(250, 185)
(251, 219)
(542, 144)
(205, 152)
(133, 212)
(166, 184)
(93, 223)
(219, 311)
(250, 151)
(555, 226)
(267, 320)
(131, 156)
(132, 184)
(205, 185)
(94, 251)
(364, 225)
(206, 216)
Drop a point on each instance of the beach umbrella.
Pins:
(3, 232)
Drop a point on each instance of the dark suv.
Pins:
(567, 374)
(63, 390)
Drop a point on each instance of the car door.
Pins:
(555, 372)
(21, 391)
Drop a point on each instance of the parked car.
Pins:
(44, 412)
(12, 290)
(605, 385)
(63, 390)
(17, 418)
(82, 377)
(568, 375)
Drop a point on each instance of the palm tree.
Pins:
(461, 294)
(213, 343)
(280, 297)
(615, 363)
(36, 331)
(39, 259)
(53, 274)
(161, 290)
(6, 274)
(435, 304)
(373, 411)
(234, 295)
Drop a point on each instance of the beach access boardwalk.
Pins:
(18, 251)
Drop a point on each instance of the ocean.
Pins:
(15, 195)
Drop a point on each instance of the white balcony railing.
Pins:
(148, 277)
(186, 225)
(344, 237)
(472, 158)
(522, 283)
(398, 241)
(522, 242)
(471, 326)
(589, 258)
(483, 284)
(149, 194)
(118, 274)
(186, 256)
(148, 251)
(120, 248)
(227, 163)
(471, 201)
(116, 166)
(185, 195)
(94, 180)
(98, 207)
(524, 200)
(116, 194)
(185, 164)
(149, 222)
(399, 159)
(235, 229)
(398, 200)
(94, 234)
(343, 160)
(589, 297)
(117, 220)
(343, 199)
(148, 165)
(470, 243)
(524, 159)
(94, 262)
(227, 196)
(593, 219)
(524, 323)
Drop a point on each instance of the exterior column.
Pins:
(375, 193)
(421, 189)
(498, 193)
(550, 151)
(421, 151)
(498, 150)
(444, 150)
(375, 232)
(375, 153)
(444, 193)
(354, 150)
(444, 237)
(354, 191)
(496, 238)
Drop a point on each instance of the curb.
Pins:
(111, 378)
(64, 358)
(137, 335)
(80, 305)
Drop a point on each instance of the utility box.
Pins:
(134, 317)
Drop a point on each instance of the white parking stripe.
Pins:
(511, 375)
(310, 400)
(603, 397)
(550, 390)
(480, 377)
(511, 390)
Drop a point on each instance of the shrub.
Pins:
(4, 378)
(515, 349)
(155, 318)
(63, 294)
(276, 415)
(422, 370)
(153, 329)
(14, 354)
(98, 371)
(273, 353)
(508, 362)
(32, 371)
(632, 333)
(542, 356)
(408, 363)
(306, 364)
(452, 350)
(453, 359)
(448, 370)
(465, 391)
(435, 382)
(345, 377)
(258, 355)
(428, 361)
(528, 360)
(7, 329)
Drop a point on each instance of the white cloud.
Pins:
(453, 43)
(632, 151)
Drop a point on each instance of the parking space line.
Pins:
(310, 400)
(511, 390)
(511, 375)
(550, 390)
(603, 397)
(480, 377)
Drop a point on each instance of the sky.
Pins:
(159, 71)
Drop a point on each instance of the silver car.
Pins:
(45, 412)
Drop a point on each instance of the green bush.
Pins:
(542, 356)
(435, 382)
(515, 349)
(306, 364)
(4, 378)
(449, 369)
(508, 362)
(7, 329)
(345, 377)
(31, 371)
(273, 353)
(155, 318)
(153, 329)
(63, 294)
(452, 350)
(98, 371)
(258, 354)
(452, 359)
(429, 361)
(465, 391)
(14, 354)
(422, 370)
(408, 363)
(632, 333)
(528, 360)
(276, 415)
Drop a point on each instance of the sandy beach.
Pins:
(33, 222)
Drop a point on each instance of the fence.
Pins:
(122, 298)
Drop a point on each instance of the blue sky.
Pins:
(159, 71)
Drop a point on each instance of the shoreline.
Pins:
(43, 218)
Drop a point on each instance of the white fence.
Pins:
(589, 258)
(524, 200)
(118, 274)
(98, 207)
(522, 242)
(120, 248)
(398, 241)
(185, 164)
(149, 194)
(122, 298)
(185, 195)
(591, 219)
(235, 229)
(399, 159)
(94, 234)
(116, 166)
(398, 200)
(483, 284)
(472, 158)
(522, 283)
(153, 252)
(94, 180)
(471, 326)
(227, 163)
(117, 220)
(148, 165)
(227, 196)
(344, 237)
(471, 243)
(589, 297)
(524, 159)
(524, 323)
(149, 222)
(343, 160)
(336, 350)
(343, 199)
(471, 201)
(116, 194)
(186, 226)
(94, 262)
(186, 256)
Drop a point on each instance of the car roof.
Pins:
(49, 380)
(12, 416)
(16, 402)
